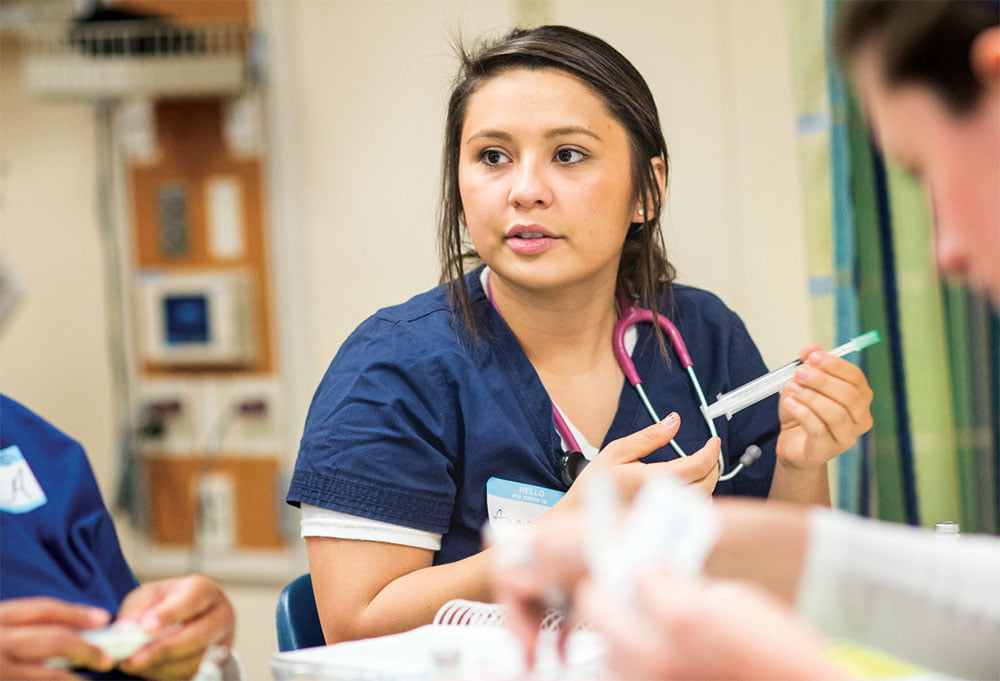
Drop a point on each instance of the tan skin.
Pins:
(184, 614)
(541, 150)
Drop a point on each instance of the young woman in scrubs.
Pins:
(437, 415)
(928, 74)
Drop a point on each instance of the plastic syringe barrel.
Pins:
(770, 383)
(752, 392)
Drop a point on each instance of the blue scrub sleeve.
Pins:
(379, 429)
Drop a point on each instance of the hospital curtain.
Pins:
(823, 162)
(933, 452)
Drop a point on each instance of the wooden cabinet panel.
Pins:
(171, 481)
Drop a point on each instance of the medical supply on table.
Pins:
(668, 523)
(573, 460)
(771, 383)
(947, 530)
(468, 640)
(120, 641)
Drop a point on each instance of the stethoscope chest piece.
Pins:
(572, 464)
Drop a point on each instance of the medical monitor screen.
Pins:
(187, 319)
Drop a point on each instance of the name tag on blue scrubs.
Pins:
(19, 489)
(517, 503)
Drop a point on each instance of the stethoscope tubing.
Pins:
(631, 314)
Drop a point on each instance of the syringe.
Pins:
(769, 384)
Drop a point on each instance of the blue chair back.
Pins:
(296, 616)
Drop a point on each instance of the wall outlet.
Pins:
(253, 405)
(216, 518)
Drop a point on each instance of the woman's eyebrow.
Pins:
(572, 130)
(490, 134)
(549, 134)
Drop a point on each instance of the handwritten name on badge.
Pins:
(19, 489)
(512, 503)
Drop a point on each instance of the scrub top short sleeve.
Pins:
(376, 441)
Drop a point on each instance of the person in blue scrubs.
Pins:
(63, 572)
(438, 415)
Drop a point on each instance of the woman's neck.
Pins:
(566, 336)
(570, 327)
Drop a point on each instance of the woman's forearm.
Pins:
(413, 599)
(369, 588)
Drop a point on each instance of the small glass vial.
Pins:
(947, 531)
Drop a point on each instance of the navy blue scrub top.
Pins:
(60, 542)
(414, 415)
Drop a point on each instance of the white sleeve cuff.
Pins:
(322, 522)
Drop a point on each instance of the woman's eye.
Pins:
(569, 156)
(493, 157)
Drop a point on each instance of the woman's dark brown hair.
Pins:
(924, 42)
(644, 273)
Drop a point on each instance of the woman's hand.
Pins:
(34, 631)
(823, 410)
(622, 456)
(186, 616)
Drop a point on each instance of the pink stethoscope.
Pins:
(573, 461)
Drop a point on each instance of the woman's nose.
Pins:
(529, 186)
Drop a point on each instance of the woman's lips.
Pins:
(530, 239)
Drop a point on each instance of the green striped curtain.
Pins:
(925, 353)
(887, 491)
(933, 453)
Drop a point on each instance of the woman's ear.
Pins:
(660, 170)
(985, 58)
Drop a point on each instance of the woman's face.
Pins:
(544, 174)
(958, 160)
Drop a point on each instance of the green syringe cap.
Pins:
(866, 339)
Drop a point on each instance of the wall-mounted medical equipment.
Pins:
(202, 318)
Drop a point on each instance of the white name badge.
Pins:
(516, 503)
(19, 489)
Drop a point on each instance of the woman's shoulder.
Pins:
(425, 326)
(686, 301)
(703, 315)
(424, 308)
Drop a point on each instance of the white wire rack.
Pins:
(145, 58)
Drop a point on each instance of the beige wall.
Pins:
(53, 351)
(356, 108)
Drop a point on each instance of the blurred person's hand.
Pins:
(38, 630)
(705, 629)
(187, 617)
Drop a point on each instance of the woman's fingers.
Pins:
(640, 443)
(823, 410)
(837, 380)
